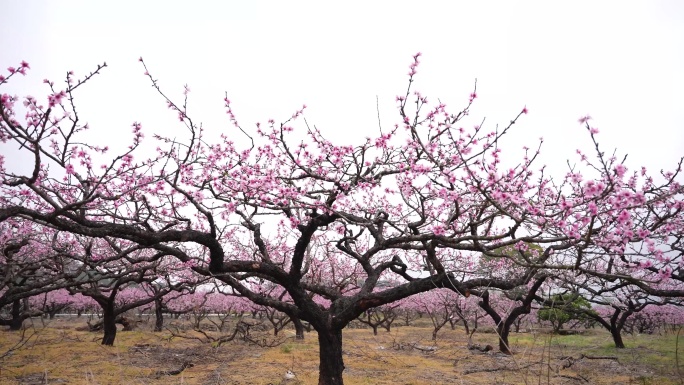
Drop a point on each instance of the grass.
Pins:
(60, 354)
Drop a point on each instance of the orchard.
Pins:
(430, 218)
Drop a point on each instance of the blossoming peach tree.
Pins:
(330, 224)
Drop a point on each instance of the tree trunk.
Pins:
(617, 323)
(466, 327)
(331, 363)
(17, 320)
(617, 337)
(299, 328)
(504, 329)
(375, 329)
(159, 315)
(611, 325)
(517, 325)
(108, 325)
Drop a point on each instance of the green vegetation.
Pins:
(562, 308)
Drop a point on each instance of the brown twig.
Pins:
(499, 368)
(174, 372)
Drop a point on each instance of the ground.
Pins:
(57, 353)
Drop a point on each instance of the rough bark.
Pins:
(331, 363)
(503, 327)
(617, 322)
(18, 314)
(503, 331)
(159, 315)
(108, 325)
(617, 337)
(17, 320)
(299, 328)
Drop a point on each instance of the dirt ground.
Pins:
(59, 354)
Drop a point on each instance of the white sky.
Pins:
(621, 62)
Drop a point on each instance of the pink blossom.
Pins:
(439, 230)
(521, 246)
(593, 209)
(665, 273)
(524, 110)
(294, 222)
(592, 188)
(56, 98)
(624, 217)
(565, 205)
(584, 119)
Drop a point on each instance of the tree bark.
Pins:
(108, 324)
(504, 330)
(159, 315)
(299, 328)
(503, 327)
(613, 325)
(331, 363)
(617, 337)
(17, 319)
(618, 323)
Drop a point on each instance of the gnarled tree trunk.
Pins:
(299, 328)
(17, 320)
(159, 315)
(331, 363)
(617, 337)
(108, 324)
(503, 325)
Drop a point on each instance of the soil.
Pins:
(60, 354)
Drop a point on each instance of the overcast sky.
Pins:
(622, 62)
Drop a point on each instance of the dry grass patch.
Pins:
(59, 354)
